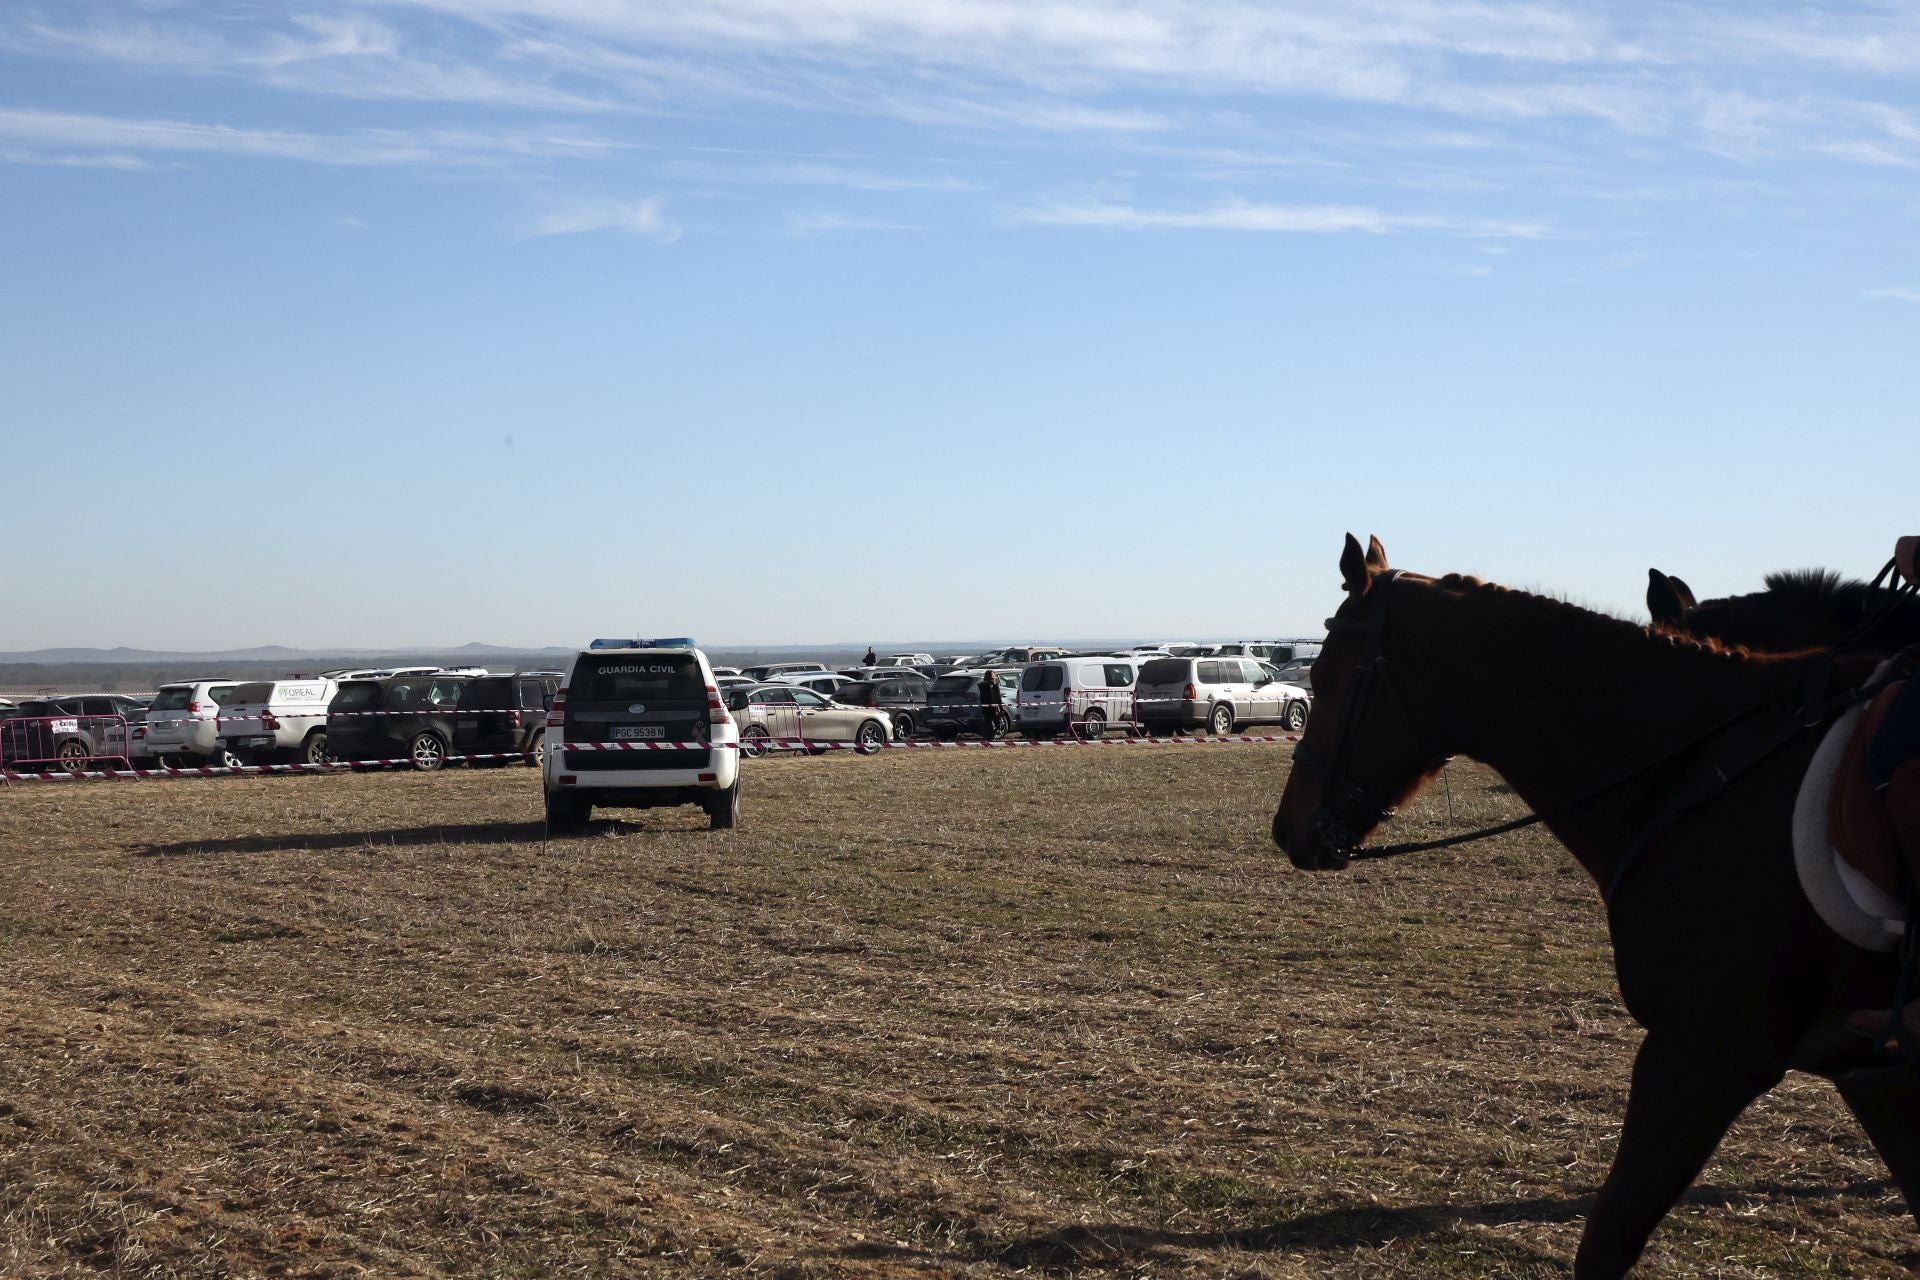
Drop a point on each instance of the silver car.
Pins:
(784, 717)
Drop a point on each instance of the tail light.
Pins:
(513, 719)
(716, 709)
(1190, 693)
(268, 720)
(557, 713)
(194, 707)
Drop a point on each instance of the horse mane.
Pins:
(1624, 627)
(1823, 590)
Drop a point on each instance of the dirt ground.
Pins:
(1060, 1012)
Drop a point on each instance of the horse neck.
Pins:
(1561, 702)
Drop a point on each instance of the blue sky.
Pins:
(419, 322)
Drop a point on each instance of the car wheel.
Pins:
(753, 741)
(314, 749)
(427, 752)
(870, 738)
(723, 808)
(537, 750)
(1221, 721)
(1296, 716)
(903, 726)
(226, 758)
(74, 755)
(1094, 726)
(565, 813)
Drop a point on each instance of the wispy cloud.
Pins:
(642, 218)
(1892, 293)
(814, 224)
(120, 139)
(1242, 215)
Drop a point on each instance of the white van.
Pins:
(182, 721)
(278, 718)
(1075, 695)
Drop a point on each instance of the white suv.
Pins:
(619, 699)
(274, 718)
(183, 720)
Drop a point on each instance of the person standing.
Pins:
(872, 659)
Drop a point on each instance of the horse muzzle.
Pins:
(1328, 845)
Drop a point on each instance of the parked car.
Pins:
(903, 698)
(1019, 655)
(766, 712)
(977, 701)
(1297, 671)
(277, 719)
(821, 682)
(906, 660)
(1219, 694)
(71, 731)
(767, 671)
(505, 715)
(721, 672)
(1075, 695)
(183, 725)
(399, 717)
(639, 691)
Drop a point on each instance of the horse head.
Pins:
(1369, 745)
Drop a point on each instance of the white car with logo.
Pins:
(619, 698)
(277, 719)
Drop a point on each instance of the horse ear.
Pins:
(1376, 555)
(1353, 566)
(1668, 598)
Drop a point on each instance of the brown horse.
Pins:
(1718, 954)
(1799, 609)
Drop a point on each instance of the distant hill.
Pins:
(268, 653)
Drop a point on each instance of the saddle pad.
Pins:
(1863, 834)
(1851, 904)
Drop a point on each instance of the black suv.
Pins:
(410, 717)
(501, 714)
(905, 700)
(971, 702)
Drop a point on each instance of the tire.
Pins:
(314, 749)
(1220, 719)
(870, 737)
(723, 809)
(753, 741)
(537, 749)
(1093, 726)
(74, 755)
(225, 758)
(903, 726)
(427, 751)
(1296, 716)
(565, 813)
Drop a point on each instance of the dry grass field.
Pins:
(975, 1014)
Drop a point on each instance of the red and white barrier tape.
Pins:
(234, 771)
(816, 744)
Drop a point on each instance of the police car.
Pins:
(639, 724)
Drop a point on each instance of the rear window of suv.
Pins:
(249, 693)
(356, 695)
(1167, 671)
(173, 699)
(954, 684)
(624, 680)
(493, 693)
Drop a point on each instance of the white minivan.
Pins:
(275, 719)
(1081, 696)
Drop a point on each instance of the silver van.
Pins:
(1081, 696)
(1219, 694)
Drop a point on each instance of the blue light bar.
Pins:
(665, 642)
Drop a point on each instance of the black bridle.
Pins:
(1347, 809)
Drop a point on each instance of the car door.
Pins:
(820, 720)
(1263, 696)
(779, 711)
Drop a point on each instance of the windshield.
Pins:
(1166, 671)
(1042, 679)
(249, 693)
(174, 699)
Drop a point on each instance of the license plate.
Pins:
(628, 732)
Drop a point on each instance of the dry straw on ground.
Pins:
(978, 1014)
